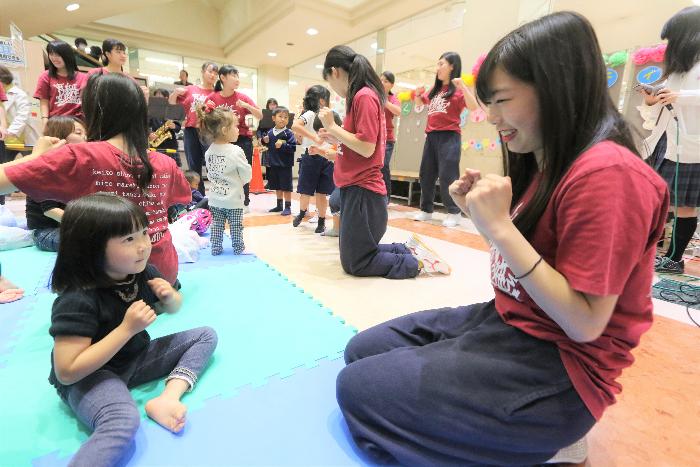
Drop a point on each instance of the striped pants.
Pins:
(235, 222)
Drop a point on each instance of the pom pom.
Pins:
(617, 59)
(468, 79)
(475, 69)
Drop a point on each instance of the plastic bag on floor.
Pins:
(7, 219)
(186, 241)
(12, 238)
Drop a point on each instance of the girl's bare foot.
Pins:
(167, 412)
(9, 292)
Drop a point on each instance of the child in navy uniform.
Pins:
(281, 146)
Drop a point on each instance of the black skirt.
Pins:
(688, 187)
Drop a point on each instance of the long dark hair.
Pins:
(683, 33)
(312, 97)
(108, 45)
(360, 72)
(87, 224)
(114, 104)
(389, 76)
(224, 71)
(271, 100)
(67, 54)
(576, 112)
(455, 60)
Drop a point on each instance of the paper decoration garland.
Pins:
(406, 108)
(463, 118)
(418, 108)
(649, 54)
(477, 116)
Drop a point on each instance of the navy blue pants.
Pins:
(441, 154)
(315, 175)
(246, 143)
(47, 239)
(194, 152)
(458, 386)
(363, 226)
(386, 170)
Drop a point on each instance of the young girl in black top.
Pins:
(108, 296)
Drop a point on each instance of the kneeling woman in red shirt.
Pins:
(573, 228)
(115, 159)
(358, 174)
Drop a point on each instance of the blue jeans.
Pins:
(194, 152)
(47, 239)
(386, 170)
(103, 403)
(458, 386)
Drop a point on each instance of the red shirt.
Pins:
(389, 117)
(76, 170)
(230, 103)
(443, 115)
(63, 94)
(599, 230)
(3, 96)
(194, 95)
(366, 120)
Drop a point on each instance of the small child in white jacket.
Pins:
(228, 170)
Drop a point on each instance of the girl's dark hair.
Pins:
(67, 54)
(87, 224)
(114, 104)
(318, 124)
(108, 45)
(60, 126)
(455, 60)
(162, 91)
(313, 96)
(211, 122)
(683, 33)
(224, 71)
(575, 113)
(360, 72)
(389, 76)
(271, 100)
(6, 77)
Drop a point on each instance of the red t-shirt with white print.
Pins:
(443, 114)
(76, 170)
(389, 117)
(63, 94)
(230, 103)
(599, 230)
(194, 95)
(366, 120)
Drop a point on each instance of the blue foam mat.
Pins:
(289, 421)
(28, 268)
(266, 326)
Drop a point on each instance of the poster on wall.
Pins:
(12, 49)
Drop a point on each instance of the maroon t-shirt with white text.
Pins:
(76, 170)
(599, 230)
(194, 95)
(230, 103)
(63, 94)
(443, 113)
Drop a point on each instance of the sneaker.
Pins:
(298, 218)
(321, 227)
(423, 216)
(286, 212)
(276, 209)
(331, 233)
(574, 454)
(429, 259)
(658, 260)
(452, 220)
(668, 266)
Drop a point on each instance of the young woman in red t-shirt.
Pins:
(228, 96)
(357, 173)
(190, 98)
(58, 88)
(115, 159)
(392, 108)
(443, 142)
(573, 228)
